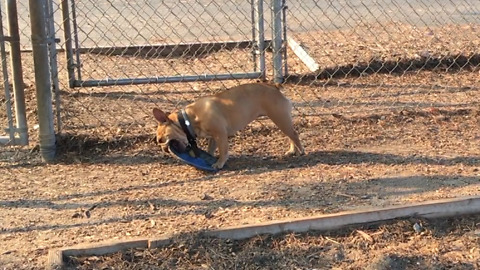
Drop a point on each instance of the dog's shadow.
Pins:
(89, 150)
(255, 164)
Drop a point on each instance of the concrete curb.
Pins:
(429, 209)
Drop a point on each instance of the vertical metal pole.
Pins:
(277, 41)
(42, 78)
(284, 23)
(16, 65)
(8, 101)
(254, 36)
(52, 45)
(77, 44)
(67, 31)
(260, 31)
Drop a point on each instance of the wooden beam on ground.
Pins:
(429, 209)
(56, 257)
(302, 55)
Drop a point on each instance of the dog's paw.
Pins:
(218, 165)
(290, 153)
(295, 152)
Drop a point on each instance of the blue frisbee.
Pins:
(198, 159)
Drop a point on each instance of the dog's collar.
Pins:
(186, 126)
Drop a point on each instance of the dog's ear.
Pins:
(160, 115)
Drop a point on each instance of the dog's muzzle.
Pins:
(163, 145)
(175, 144)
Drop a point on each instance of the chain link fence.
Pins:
(385, 55)
(339, 58)
(353, 57)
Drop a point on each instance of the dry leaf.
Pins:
(365, 236)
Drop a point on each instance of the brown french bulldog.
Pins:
(219, 116)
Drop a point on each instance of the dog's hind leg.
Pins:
(281, 115)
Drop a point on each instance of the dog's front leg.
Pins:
(222, 142)
(212, 146)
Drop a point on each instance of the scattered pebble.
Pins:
(417, 227)
(206, 197)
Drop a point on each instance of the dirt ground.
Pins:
(373, 138)
(433, 244)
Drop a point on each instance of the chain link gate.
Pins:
(113, 45)
(185, 29)
(13, 109)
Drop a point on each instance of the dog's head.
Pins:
(168, 132)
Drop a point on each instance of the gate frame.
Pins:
(73, 50)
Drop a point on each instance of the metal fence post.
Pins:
(52, 46)
(260, 37)
(78, 63)
(277, 43)
(284, 22)
(42, 79)
(17, 72)
(67, 31)
(10, 139)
